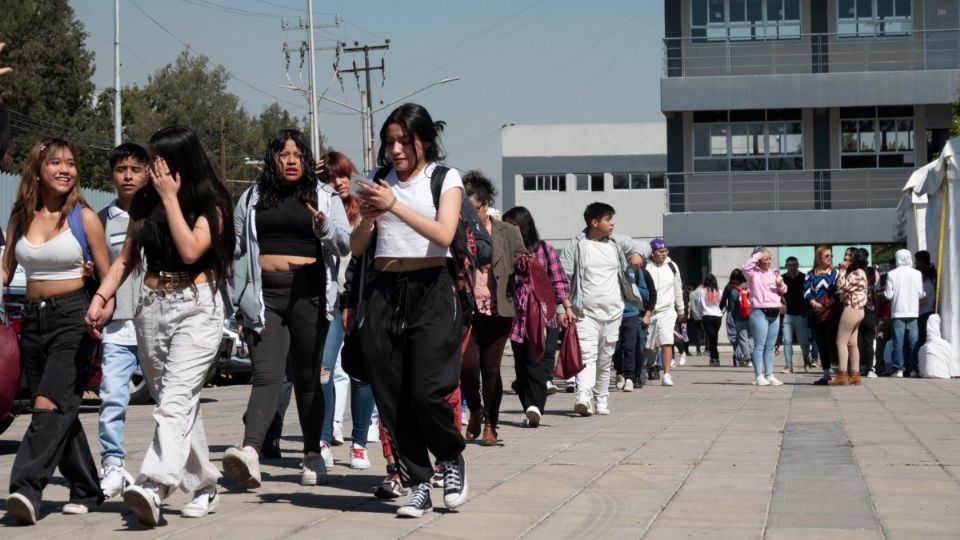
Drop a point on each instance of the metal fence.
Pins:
(785, 190)
(812, 53)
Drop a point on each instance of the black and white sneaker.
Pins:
(418, 503)
(144, 501)
(204, 502)
(454, 482)
(21, 509)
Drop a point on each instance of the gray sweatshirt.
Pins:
(115, 222)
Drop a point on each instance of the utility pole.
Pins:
(117, 129)
(314, 121)
(223, 151)
(367, 104)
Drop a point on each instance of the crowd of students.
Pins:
(401, 283)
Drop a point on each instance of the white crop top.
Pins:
(394, 237)
(56, 259)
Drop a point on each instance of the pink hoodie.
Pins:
(764, 292)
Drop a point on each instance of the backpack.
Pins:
(75, 222)
(743, 303)
(463, 249)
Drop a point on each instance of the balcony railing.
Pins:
(812, 53)
(832, 189)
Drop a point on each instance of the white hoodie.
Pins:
(668, 284)
(904, 287)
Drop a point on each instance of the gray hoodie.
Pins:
(904, 287)
(571, 256)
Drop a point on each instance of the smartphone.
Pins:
(355, 180)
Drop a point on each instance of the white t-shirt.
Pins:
(394, 237)
(120, 332)
(710, 310)
(602, 299)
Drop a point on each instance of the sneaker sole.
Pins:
(460, 498)
(533, 417)
(552, 390)
(411, 512)
(74, 510)
(360, 466)
(201, 513)
(140, 507)
(21, 510)
(313, 480)
(238, 471)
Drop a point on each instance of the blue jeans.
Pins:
(795, 326)
(119, 363)
(911, 328)
(765, 329)
(361, 395)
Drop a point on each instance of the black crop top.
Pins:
(286, 229)
(161, 253)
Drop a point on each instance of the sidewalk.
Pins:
(713, 457)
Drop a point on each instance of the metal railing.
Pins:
(812, 53)
(822, 189)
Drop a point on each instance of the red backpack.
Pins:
(743, 302)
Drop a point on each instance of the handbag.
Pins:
(9, 369)
(569, 358)
(351, 358)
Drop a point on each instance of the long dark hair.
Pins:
(414, 120)
(201, 194)
(711, 288)
(858, 261)
(923, 264)
(521, 217)
(269, 182)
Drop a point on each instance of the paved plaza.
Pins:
(713, 457)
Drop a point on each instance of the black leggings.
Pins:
(409, 339)
(295, 330)
(826, 335)
(533, 373)
(711, 331)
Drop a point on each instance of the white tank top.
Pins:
(56, 259)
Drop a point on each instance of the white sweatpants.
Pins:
(598, 339)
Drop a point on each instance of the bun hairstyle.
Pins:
(417, 123)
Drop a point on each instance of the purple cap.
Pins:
(658, 243)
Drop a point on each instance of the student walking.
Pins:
(595, 262)
(712, 316)
(766, 287)
(738, 324)
(669, 309)
(291, 227)
(52, 234)
(410, 329)
(533, 373)
(180, 228)
(795, 318)
(628, 356)
(819, 290)
(904, 289)
(128, 169)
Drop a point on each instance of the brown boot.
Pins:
(854, 378)
(489, 437)
(840, 380)
(473, 427)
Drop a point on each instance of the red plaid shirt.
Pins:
(546, 257)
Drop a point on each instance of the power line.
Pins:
(229, 73)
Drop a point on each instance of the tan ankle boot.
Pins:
(489, 437)
(855, 377)
(840, 380)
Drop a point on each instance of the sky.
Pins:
(518, 61)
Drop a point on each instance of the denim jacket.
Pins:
(334, 235)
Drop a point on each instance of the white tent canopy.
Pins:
(932, 199)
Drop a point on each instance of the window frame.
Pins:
(874, 21)
(546, 182)
(877, 152)
(750, 159)
(764, 29)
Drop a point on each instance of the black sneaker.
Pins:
(418, 503)
(454, 482)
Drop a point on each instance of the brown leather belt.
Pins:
(173, 280)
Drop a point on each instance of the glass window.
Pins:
(745, 19)
(529, 183)
(657, 181)
(718, 140)
(768, 144)
(621, 181)
(583, 182)
(876, 142)
(545, 182)
(701, 140)
(864, 18)
(638, 181)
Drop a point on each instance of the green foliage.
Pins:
(955, 124)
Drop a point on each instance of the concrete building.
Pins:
(557, 170)
(797, 122)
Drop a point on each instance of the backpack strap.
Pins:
(436, 183)
(75, 222)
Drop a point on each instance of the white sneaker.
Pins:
(358, 457)
(327, 454)
(115, 480)
(667, 380)
(314, 470)
(773, 381)
(21, 509)
(628, 385)
(786, 370)
(242, 465)
(337, 434)
(872, 374)
(75, 509)
(683, 358)
(373, 434)
(144, 501)
(533, 416)
(204, 502)
(898, 374)
(551, 388)
(761, 381)
(582, 408)
(620, 382)
(673, 363)
(602, 410)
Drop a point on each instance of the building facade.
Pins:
(557, 170)
(797, 122)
